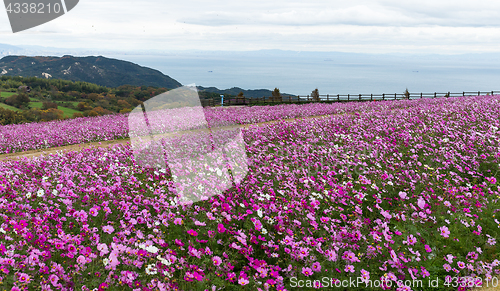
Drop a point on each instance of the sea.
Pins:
(299, 73)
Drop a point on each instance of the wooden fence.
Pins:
(232, 101)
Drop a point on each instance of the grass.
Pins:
(6, 94)
(5, 106)
(67, 111)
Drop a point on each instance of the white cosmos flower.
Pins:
(151, 270)
(28, 195)
(152, 249)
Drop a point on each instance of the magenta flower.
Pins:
(316, 267)
(307, 271)
(221, 228)
(23, 278)
(93, 211)
(216, 260)
(192, 232)
(428, 248)
(53, 279)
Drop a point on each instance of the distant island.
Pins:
(257, 93)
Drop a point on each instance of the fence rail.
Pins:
(230, 101)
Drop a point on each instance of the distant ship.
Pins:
(210, 71)
(415, 71)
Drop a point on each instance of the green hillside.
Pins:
(98, 70)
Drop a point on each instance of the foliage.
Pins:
(315, 95)
(276, 95)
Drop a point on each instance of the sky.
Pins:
(383, 26)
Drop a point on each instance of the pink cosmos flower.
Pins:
(53, 279)
(307, 271)
(192, 232)
(217, 260)
(316, 267)
(428, 248)
(81, 260)
(421, 202)
(447, 267)
(444, 231)
(461, 265)
(93, 211)
(108, 229)
(221, 228)
(243, 281)
(23, 278)
(349, 268)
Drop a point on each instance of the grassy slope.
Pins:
(67, 111)
(9, 107)
(6, 94)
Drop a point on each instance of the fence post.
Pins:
(371, 97)
(383, 96)
(328, 97)
(395, 97)
(435, 94)
(359, 97)
(338, 97)
(348, 97)
(491, 93)
(478, 93)
(421, 95)
(463, 94)
(449, 94)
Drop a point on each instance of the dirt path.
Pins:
(78, 147)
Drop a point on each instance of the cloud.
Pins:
(359, 25)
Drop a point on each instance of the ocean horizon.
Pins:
(299, 73)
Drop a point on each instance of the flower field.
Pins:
(32, 136)
(396, 191)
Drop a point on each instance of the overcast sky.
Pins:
(383, 26)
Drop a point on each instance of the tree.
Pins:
(315, 95)
(47, 104)
(276, 95)
(20, 101)
(240, 95)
